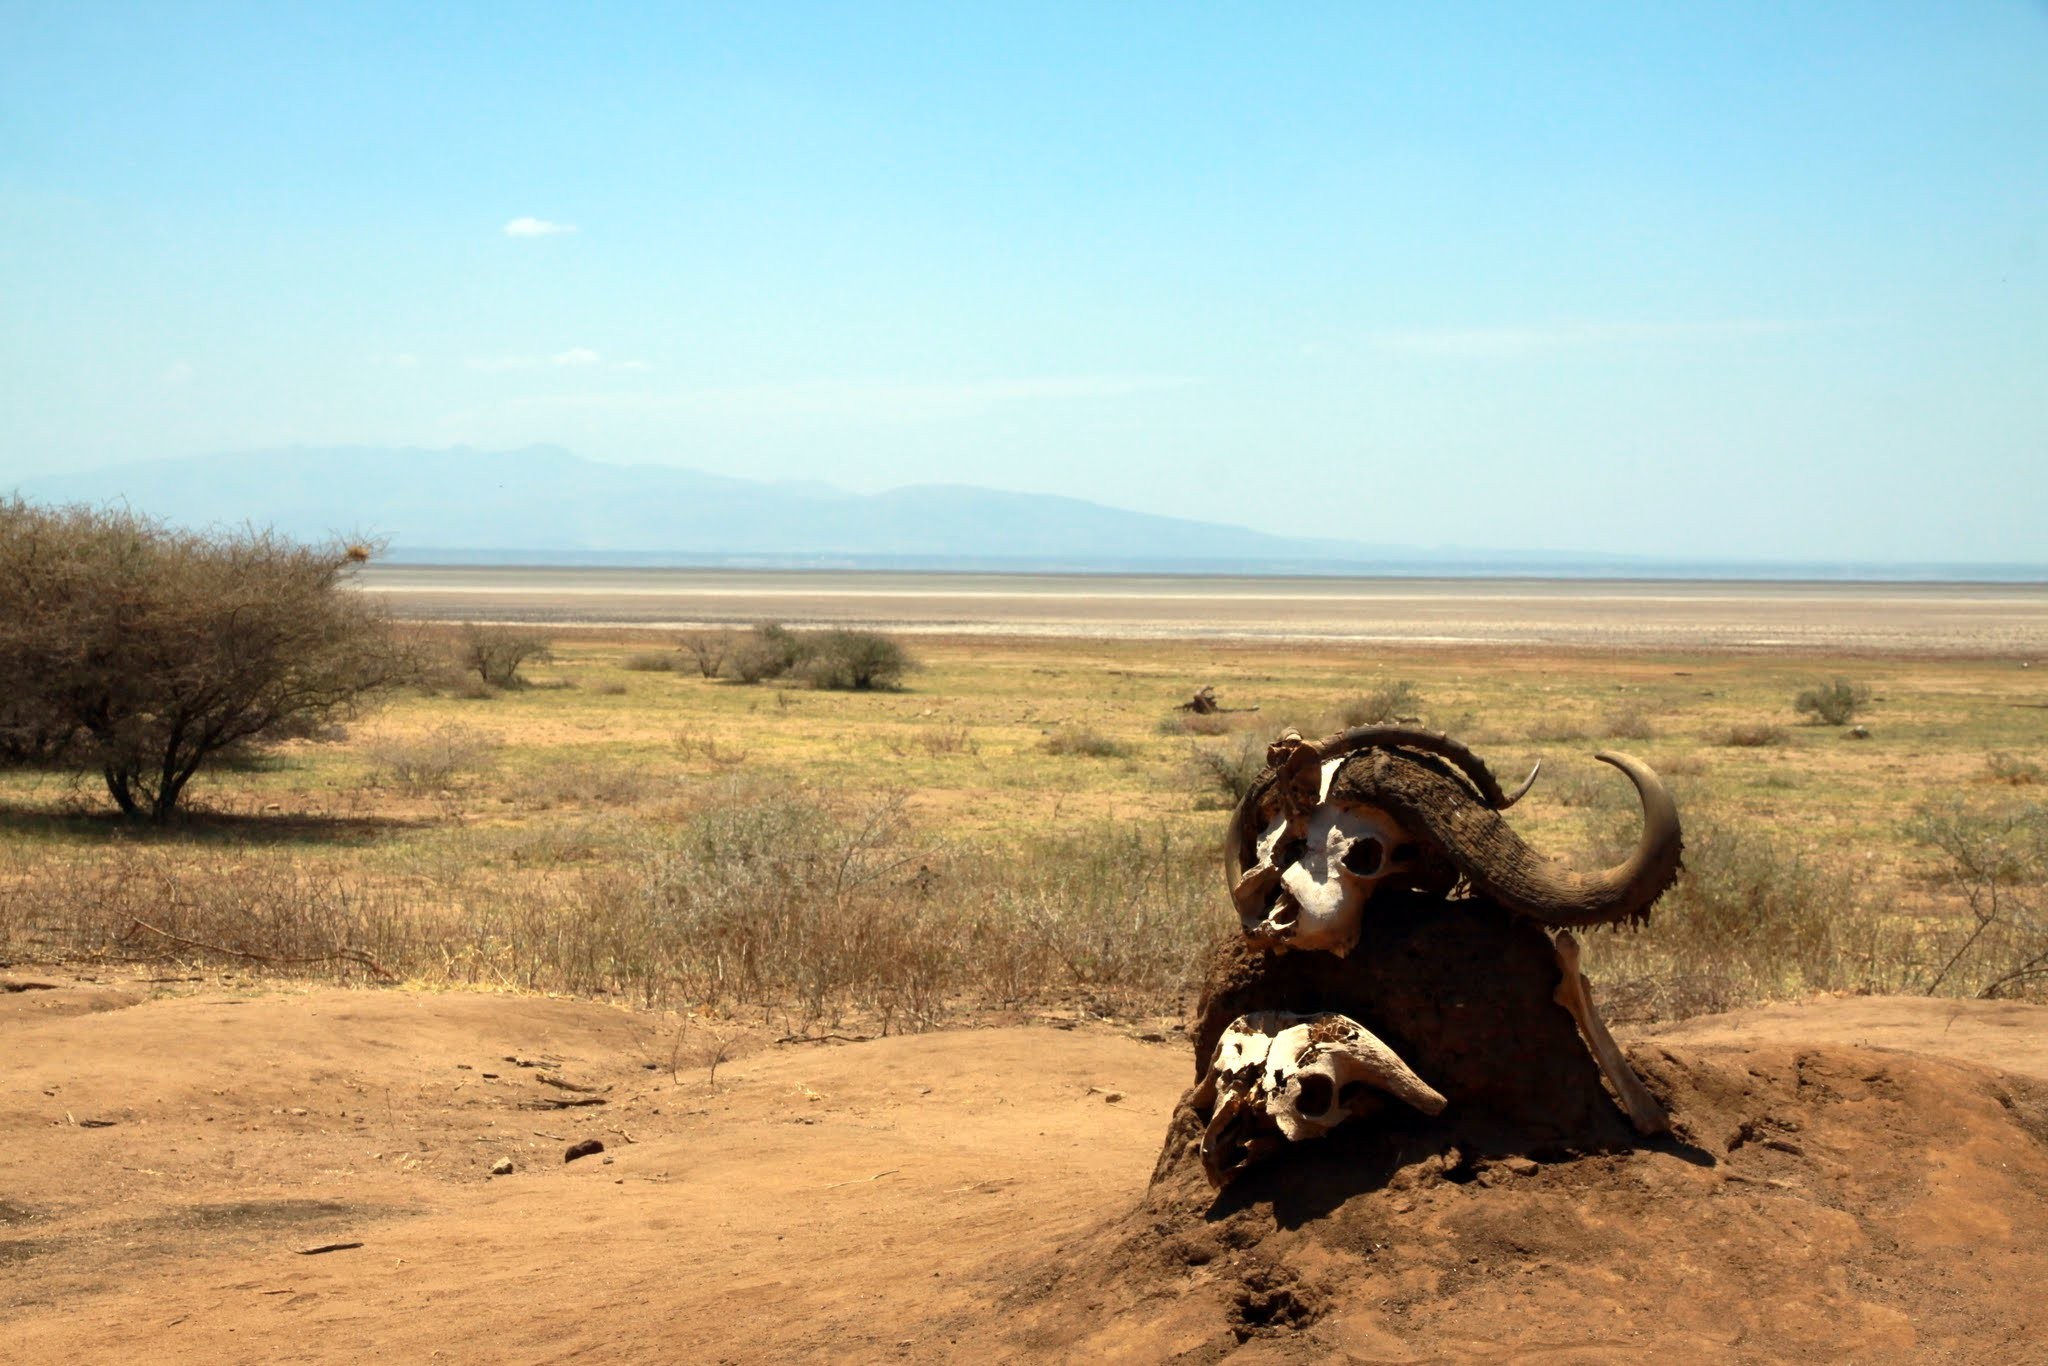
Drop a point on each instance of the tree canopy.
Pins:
(142, 652)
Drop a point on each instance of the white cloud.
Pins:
(537, 227)
(576, 355)
(1468, 342)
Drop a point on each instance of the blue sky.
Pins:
(1748, 281)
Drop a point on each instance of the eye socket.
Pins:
(1316, 1094)
(1365, 856)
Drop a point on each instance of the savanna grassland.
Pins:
(1030, 825)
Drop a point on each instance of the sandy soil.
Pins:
(1861, 1179)
(1894, 618)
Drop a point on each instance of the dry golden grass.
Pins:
(1046, 837)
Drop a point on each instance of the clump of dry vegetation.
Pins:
(1836, 702)
(1399, 701)
(431, 760)
(496, 654)
(1753, 735)
(1087, 742)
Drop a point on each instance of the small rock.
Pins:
(1523, 1166)
(1112, 1097)
(586, 1148)
(502, 1167)
(1859, 732)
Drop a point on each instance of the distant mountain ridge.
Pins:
(544, 500)
(545, 505)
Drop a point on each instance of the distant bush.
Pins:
(1833, 703)
(652, 662)
(1384, 705)
(609, 687)
(1754, 735)
(771, 650)
(1084, 741)
(839, 660)
(2011, 769)
(1627, 722)
(432, 760)
(495, 654)
(855, 661)
(708, 650)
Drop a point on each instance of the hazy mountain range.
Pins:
(543, 504)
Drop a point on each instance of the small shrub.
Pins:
(1833, 703)
(495, 654)
(1085, 741)
(938, 740)
(1222, 774)
(1384, 705)
(1996, 859)
(1557, 730)
(771, 651)
(2011, 769)
(609, 687)
(589, 782)
(652, 662)
(708, 650)
(1754, 735)
(433, 760)
(691, 745)
(1627, 722)
(855, 661)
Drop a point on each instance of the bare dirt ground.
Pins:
(1858, 1179)
(1891, 618)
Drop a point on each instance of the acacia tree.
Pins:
(142, 652)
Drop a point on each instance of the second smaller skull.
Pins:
(1278, 1078)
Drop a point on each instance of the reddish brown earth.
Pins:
(1862, 1179)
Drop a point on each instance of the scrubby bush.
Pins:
(708, 650)
(1627, 722)
(143, 653)
(1222, 774)
(1384, 705)
(855, 661)
(771, 650)
(495, 654)
(2011, 769)
(652, 662)
(1996, 859)
(1833, 703)
(1076, 739)
(434, 759)
(1754, 735)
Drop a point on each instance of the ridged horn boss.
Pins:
(1456, 807)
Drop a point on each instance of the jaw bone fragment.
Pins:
(1575, 994)
(1279, 1077)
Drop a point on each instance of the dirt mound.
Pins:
(1816, 1203)
(172, 1163)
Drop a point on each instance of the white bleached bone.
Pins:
(1575, 994)
(1312, 895)
(1280, 1077)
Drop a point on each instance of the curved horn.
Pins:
(1432, 742)
(1496, 861)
